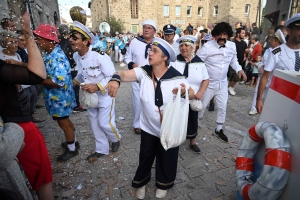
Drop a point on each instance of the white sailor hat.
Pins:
(79, 27)
(150, 22)
(186, 38)
(293, 19)
(117, 33)
(120, 35)
(169, 29)
(207, 37)
(166, 48)
(279, 35)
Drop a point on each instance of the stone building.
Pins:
(278, 11)
(182, 12)
(43, 11)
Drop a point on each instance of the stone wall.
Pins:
(43, 11)
(230, 11)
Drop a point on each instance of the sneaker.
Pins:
(160, 193)
(93, 156)
(248, 83)
(67, 155)
(221, 135)
(211, 107)
(78, 109)
(242, 82)
(231, 91)
(195, 148)
(65, 145)
(115, 146)
(252, 112)
(140, 192)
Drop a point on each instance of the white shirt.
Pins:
(94, 68)
(217, 61)
(175, 46)
(136, 53)
(150, 118)
(197, 71)
(281, 57)
(175, 37)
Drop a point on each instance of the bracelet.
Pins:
(117, 78)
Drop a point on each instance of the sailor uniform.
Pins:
(137, 53)
(175, 46)
(97, 68)
(116, 48)
(121, 45)
(195, 72)
(217, 61)
(151, 148)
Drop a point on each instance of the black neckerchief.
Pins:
(186, 68)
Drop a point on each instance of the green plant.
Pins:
(115, 25)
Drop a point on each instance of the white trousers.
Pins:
(221, 97)
(120, 56)
(116, 53)
(103, 124)
(111, 53)
(253, 106)
(136, 104)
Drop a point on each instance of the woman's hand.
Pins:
(26, 23)
(90, 88)
(198, 96)
(175, 90)
(112, 87)
(12, 61)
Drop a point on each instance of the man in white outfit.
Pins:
(137, 55)
(218, 55)
(95, 70)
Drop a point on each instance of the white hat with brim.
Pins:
(150, 22)
(279, 35)
(166, 48)
(293, 19)
(79, 27)
(186, 38)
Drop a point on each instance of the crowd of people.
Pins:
(204, 63)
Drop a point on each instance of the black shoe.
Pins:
(211, 107)
(115, 146)
(67, 155)
(221, 135)
(91, 157)
(195, 148)
(65, 145)
(78, 109)
(37, 106)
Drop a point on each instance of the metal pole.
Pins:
(290, 9)
(30, 13)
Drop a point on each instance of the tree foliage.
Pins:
(115, 25)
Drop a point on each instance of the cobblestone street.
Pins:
(209, 175)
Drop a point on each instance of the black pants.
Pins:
(192, 124)
(165, 166)
(76, 88)
(31, 94)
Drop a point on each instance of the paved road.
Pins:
(210, 175)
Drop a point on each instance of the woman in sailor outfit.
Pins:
(95, 70)
(153, 100)
(196, 74)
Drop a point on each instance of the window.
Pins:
(134, 9)
(215, 10)
(177, 10)
(135, 28)
(200, 11)
(189, 11)
(247, 9)
(166, 11)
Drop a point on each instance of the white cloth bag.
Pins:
(89, 100)
(174, 124)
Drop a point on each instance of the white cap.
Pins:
(279, 35)
(117, 32)
(120, 35)
(186, 38)
(293, 19)
(79, 27)
(150, 22)
(165, 47)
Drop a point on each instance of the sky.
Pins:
(66, 5)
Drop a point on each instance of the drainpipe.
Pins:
(290, 9)
(207, 8)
